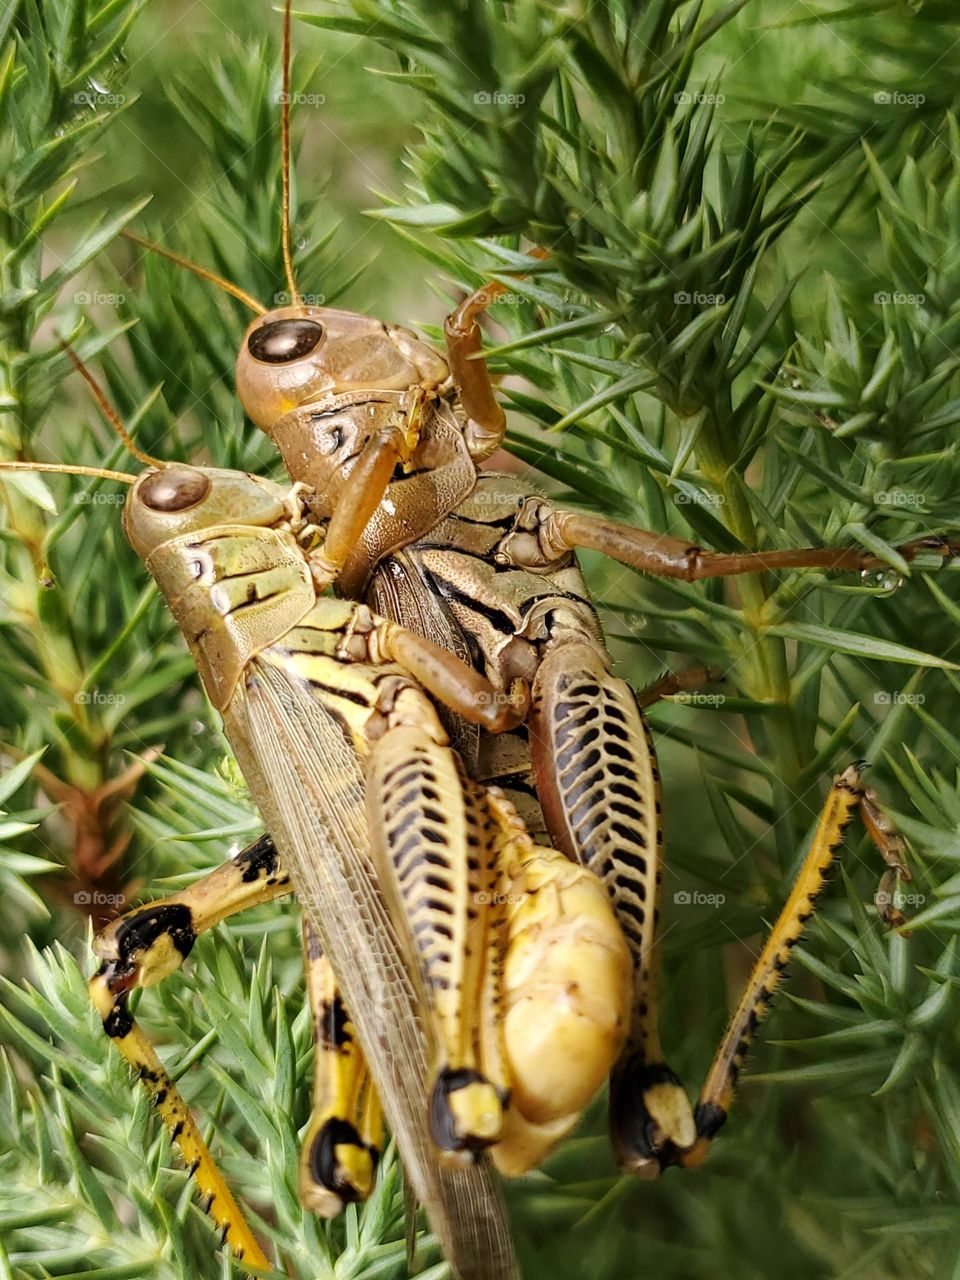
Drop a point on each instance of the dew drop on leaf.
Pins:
(886, 580)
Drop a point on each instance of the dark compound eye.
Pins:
(174, 489)
(280, 341)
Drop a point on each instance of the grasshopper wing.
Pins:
(309, 786)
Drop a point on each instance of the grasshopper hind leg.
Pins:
(432, 842)
(144, 947)
(599, 783)
(341, 1148)
(848, 797)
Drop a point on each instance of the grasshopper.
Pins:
(404, 864)
(386, 436)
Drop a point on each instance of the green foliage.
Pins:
(745, 335)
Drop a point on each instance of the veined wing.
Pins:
(308, 784)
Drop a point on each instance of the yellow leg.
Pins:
(599, 784)
(140, 950)
(848, 796)
(341, 1147)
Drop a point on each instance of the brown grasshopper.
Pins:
(386, 437)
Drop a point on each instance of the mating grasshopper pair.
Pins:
(386, 437)
(323, 703)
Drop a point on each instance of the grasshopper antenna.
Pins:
(296, 299)
(71, 469)
(108, 411)
(233, 289)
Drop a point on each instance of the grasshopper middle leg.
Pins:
(544, 535)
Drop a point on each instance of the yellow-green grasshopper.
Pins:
(323, 703)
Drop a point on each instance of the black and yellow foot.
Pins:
(466, 1110)
(140, 950)
(341, 1147)
(651, 1120)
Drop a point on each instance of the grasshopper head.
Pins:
(299, 356)
(169, 501)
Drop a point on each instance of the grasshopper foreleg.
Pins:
(464, 340)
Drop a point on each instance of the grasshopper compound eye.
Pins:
(282, 341)
(174, 489)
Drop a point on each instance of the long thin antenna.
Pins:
(108, 411)
(197, 270)
(69, 468)
(296, 299)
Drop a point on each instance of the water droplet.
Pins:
(885, 579)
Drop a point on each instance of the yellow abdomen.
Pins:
(567, 984)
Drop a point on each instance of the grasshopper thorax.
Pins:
(295, 357)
